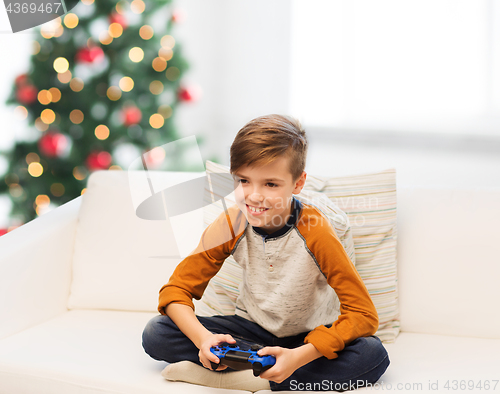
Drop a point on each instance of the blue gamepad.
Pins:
(237, 358)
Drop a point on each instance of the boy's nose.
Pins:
(256, 196)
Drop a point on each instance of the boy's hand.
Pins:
(286, 363)
(206, 355)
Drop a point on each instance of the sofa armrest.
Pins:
(35, 269)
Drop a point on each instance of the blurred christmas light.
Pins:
(156, 87)
(61, 65)
(137, 6)
(76, 116)
(136, 54)
(146, 32)
(48, 116)
(32, 157)
(35, 169)
(71, 20)
(64, 77)
(84, 190)
(76, 85)
(16, 190)
(40, 125)
(21, 112)
(36, 48)
(168, 42)
(114, 93)
(101, 132)
(156, 121)
(44, 97)
(115, 167)
(42, 199)
(105, 38)
(166, 53)
(172, 74)
(121, 7)
(115, 30)
(80, 173)
(87, 2)
(56, 94)
(126, 84)
(57, 189)
(159, 64)
(165, 111)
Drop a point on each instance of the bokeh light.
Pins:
(48, 116)
(137, 6)
(156, 87)
(136, 54)
(56, 94)
(115, 30)
(146, 32)
(35, 169)
(64, 77)
(61, 65)
(32, 157)
(159, 64)
(21, 112)
(172, 73)
(114, 93)
(156, 121)
(105, 38)
(71, 20)
(101, 132)
(44, 97)
(57, 189)
(76, 116)
(126, 84)
(76, 84)
(168, 41)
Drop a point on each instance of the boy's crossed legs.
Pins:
(361, 362)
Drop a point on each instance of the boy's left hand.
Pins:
(286, 363)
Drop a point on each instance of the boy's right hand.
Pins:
(206, 355)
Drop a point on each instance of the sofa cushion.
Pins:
(369, 200)
(87, 352)
(120, 261)
(427, 363)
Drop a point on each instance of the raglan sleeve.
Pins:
(191, 276)
(358, 316)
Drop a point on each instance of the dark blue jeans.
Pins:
(361, 362)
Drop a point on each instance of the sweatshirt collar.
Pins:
(296, 209)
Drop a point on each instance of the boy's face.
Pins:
(264, 193)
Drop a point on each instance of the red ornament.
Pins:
(89, 55)
(118, 18)
(53, 144)
(21, 79)
(178, 16)
(189, 93)
(131, 115)
(98, 160)
(26, 94)
(3, 231)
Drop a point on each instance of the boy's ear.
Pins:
(299, 183)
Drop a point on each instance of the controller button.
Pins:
(255, 347)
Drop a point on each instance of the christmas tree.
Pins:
(102, 88)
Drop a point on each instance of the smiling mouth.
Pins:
(257, 210)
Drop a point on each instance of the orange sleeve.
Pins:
(358, 316)
(191, 276)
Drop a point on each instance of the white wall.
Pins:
(240, 54)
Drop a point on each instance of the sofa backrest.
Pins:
(121, 261)
(448, 252)
(449, 261)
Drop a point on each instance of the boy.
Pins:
(300, 296)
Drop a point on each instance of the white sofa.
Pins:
(77, 290)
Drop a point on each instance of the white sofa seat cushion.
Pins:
(86, 351)
(423, 358)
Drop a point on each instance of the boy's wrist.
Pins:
(305, 354)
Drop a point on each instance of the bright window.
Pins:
(393, 65)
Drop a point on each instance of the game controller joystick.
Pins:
(235, 357)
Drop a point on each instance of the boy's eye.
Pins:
(241, 180)
(272, 184)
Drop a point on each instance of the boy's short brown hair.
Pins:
(266, 138)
